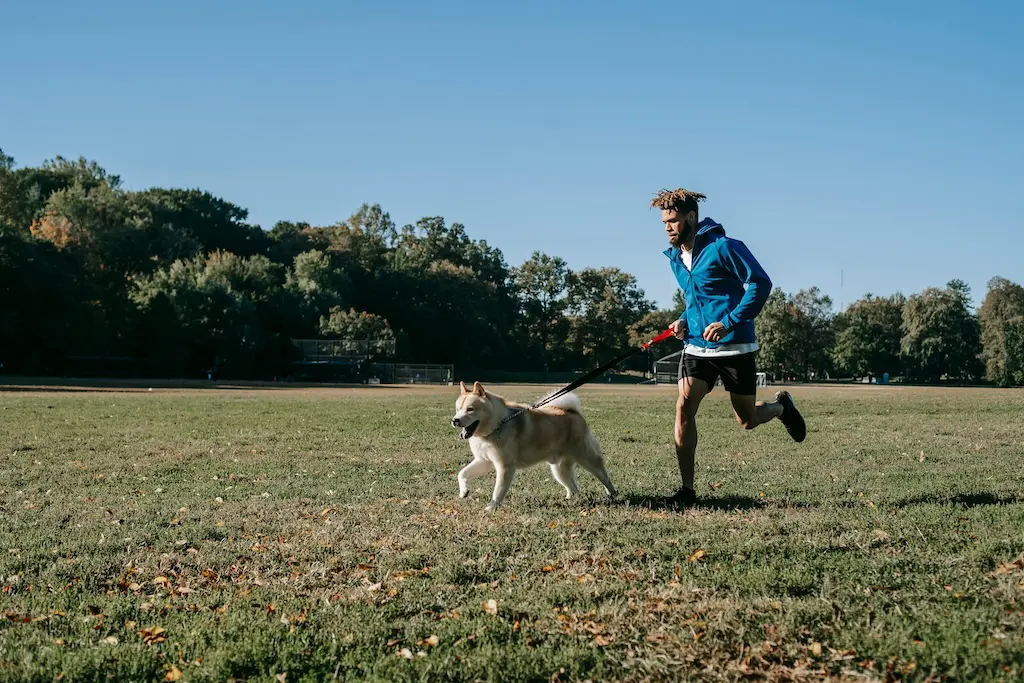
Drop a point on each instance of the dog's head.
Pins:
(472, 408)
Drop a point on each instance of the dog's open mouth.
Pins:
(468, 430)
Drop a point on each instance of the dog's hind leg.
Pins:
(591, 459)
(477, 468)
(502, 483)
(562, 471)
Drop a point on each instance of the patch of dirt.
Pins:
(47, 386)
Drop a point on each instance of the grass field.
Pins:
(307, 534)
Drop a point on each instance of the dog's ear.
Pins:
(462, 386)
(479, 390)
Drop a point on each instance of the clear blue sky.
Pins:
(879, 139)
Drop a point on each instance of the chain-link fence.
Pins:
(328, 350)
(666, 369)
(412, 373)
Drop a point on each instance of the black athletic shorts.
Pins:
(738, 373)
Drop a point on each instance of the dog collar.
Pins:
(508, 418)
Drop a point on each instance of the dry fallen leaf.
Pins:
(404, 653)
(547, 568)
(174, 674)
(816, 648)
(432, 641)
(110, 640)
(152, 635)
(283, 676)
(1010, 567)
(491, 607)
(697, 556)
(602, 641)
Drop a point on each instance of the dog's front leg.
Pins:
(477, 468)
(502, 483)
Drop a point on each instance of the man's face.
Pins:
(678, 226)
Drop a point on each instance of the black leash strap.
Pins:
(580, 381)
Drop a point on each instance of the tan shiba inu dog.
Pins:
(555, 433)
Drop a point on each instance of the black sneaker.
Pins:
(684, 496)
(791, 417)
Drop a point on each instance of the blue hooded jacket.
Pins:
(726, 285)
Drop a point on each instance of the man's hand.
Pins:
(714, 332)
(678, 328)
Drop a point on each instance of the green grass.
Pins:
(304, 535)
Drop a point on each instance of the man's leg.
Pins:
(750, 413)
(691, 391)
(739, 376)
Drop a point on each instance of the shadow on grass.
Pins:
(966, 500)
(672, 503)
(50, 385)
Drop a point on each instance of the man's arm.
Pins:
(680, 325)
(743, 265)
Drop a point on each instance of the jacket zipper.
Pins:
(700, 309)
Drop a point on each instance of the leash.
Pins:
(580, 381)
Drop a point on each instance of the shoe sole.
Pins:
(792, 419)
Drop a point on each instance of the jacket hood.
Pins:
(705, 227)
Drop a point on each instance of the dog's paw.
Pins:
(491, 507)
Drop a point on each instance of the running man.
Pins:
(724, 288)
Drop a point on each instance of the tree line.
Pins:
(174, 282)
(928, 337)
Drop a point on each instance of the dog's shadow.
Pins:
(673, 504)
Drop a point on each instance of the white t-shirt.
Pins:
(724, 349)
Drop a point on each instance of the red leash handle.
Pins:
(661, 337)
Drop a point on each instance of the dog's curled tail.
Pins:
(569, 402)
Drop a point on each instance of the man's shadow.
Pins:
(729, 503)
(673, 504)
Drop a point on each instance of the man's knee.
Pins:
(686, 409)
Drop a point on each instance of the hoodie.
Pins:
(726, 285)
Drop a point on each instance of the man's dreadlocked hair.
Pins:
(681, 201)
